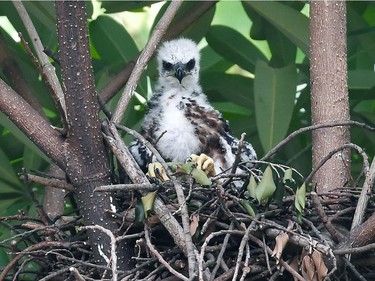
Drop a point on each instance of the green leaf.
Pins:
(282, 49)
(148, 202)
(4, 121)
(201, 177)
(288, 175)
(31, 159)
(361, 79)
(249, 209)
(139, 211)
(287, 20)
(251, 187)
(233, 46)
(112, 41)
(189, 169)
(212, 61)
(195, 31)
(229, 87)
(229, 107)
(300, 198)
(275, 91)
(120, 6)
(266, 187)
(4, 258)
(7, 172)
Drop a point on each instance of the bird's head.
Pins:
(178, 63)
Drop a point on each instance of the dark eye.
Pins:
(167, 66)
(190, 65)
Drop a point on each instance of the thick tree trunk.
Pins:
(329, 91)
(87, 164)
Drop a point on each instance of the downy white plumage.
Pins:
(180, 121)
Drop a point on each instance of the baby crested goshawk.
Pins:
(180, 121)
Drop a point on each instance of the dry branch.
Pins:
(143, 59)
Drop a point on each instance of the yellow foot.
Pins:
(156, 171)
(204, 163)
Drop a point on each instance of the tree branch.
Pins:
(311, 128)
(144, 58)
(47, 67)
(33, 125)
(87, 163)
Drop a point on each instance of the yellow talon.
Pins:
(156, 170)
(204, 163)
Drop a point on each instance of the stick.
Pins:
(144, 58)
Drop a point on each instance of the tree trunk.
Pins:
(86, 160)
(329, 91)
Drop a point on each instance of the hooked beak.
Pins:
(179, 72)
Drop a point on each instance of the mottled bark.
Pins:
(87, 164)
(32, 124)
(329, 91)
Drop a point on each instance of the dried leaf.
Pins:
(294, 264)
(251, 187)
(266, 187)
(308, 269)
(194, 224)
(320, 266)
(281, 241)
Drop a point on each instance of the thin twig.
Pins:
(205, 244)
(222, 251)
(76, 274)
(243, 243)
(28, 250)
(364, 196)
(126, 187)
(113, 248)
(333, 152)
(245, 267)
(159, 256)
(356, 250)
(186, 227)
(56, 273)
(282, 262)
(310, 128)
(47, 181)
(146, 143)
(237, 160)
(354, 270)
(47, 67)
(144, 58)
(337, 236)
(266, 255)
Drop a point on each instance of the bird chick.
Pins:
(180, 121)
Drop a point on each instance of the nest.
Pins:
(226, 241)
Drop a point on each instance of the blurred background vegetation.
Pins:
(254, 69)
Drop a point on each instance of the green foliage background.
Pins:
(255, 70)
